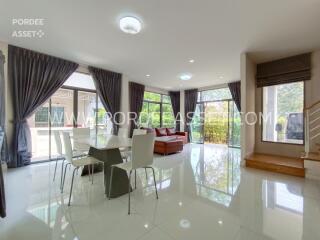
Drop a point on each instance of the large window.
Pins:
(156, 111)
(216, 119)
(283, 113)
(76, 104)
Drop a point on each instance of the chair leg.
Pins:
(62, 165)
(145, 169)
(135, 179)
(110, 184)
(154, 180)
(64, 176)
(55, 169)
(74, 170)
(129, 192)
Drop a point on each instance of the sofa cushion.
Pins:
(161, 132)
(171, 131)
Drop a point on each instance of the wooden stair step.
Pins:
(274, 163)
(312, 156)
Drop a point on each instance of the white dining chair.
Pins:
(139, 132)
(124, 151)
(77, 163)
(60, 155)
(80, 133)
(142, 157)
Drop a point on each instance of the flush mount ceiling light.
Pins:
(185, 76)
(130, 25)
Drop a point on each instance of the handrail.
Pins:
(312, 105)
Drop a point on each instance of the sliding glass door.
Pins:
(216, 119)
(70, 107)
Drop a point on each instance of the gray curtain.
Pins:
(235, 90)
(175, 101)
(108, 85)
(190, 103)
(34, 77)
(4, 149)
(136, 92)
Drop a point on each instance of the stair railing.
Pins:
(312, 124)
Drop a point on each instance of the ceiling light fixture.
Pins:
(191, 61)
(148, 75)
(221, 77)
(130, 25)
(185, 76)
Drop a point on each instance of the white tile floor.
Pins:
(203, 194)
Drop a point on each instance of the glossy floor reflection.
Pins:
(203, 194)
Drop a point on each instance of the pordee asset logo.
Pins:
(30, 23)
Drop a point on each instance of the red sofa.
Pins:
(160, 132)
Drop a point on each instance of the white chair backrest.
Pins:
(81, 132)
(57, 138)
(142, 150)
(139, 132)
(123, 132)
(67, 146)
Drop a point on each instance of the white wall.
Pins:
(9, 112)
(248, 86)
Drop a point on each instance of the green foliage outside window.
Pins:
(151, 114)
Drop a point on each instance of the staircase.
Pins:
(311, 156)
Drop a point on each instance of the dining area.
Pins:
(118, 157)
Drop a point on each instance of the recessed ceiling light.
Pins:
(191, 61)
(130, 25)
(185, 76)
(148, 75)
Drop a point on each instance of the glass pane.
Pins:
(216, 94)
(150, 96)
(154, 115)
(167, 116)
(197, 125)
(216, 122)
(87, 104)
(39, 128)
(166, 99)
(62, 116)
(80, 80)
(283, 113)
(104, 124)
(234, 125)
(144, 115)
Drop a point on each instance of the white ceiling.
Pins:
(213, 32)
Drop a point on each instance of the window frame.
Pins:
(75, 91)
(303, 115)
(161, 106)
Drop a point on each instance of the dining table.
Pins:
(106, 148)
